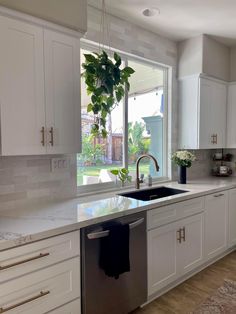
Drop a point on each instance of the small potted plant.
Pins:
(183, 159)
(122, 175)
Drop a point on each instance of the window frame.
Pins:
(167, 88)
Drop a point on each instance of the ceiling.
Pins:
(180, 19)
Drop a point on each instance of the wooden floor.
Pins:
(189, 294)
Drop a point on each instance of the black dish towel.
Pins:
(114, 251)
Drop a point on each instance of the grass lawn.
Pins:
(95, 170)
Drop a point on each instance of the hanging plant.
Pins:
(106, 82)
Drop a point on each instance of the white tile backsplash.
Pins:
(29, 178)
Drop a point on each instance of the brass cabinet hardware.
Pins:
(219, 195)
(52, 136)
(41, 255)
(183, 236)
(214, 139)
(179, 235)
(43, 135)
(11, 307)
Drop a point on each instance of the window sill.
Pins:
(109, 189)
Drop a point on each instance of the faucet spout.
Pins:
(137, 182)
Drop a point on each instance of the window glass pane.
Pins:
(99, 155)
(145, 117)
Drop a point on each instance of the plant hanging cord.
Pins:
(104, 30)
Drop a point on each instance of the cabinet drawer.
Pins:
(42, 291)
(25, 259)
(70, 308)
(166, 214)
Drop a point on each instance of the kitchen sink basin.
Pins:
(153, 193)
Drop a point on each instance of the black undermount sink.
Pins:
(152, 194)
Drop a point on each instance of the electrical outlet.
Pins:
(59, 164)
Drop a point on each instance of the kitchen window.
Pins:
(136, 126)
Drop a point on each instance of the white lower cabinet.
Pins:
(70, 308)
(42, 291)
(232, 217)
(173, 250)
(190, 248)
(162, 246)
(216, 224)
(42, 277)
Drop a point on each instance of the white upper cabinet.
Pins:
(202, 113)
(21, 88)
(62, 86)
(231, 114)
(39, 90)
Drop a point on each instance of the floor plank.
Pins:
(188, 295)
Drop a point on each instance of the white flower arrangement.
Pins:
(183, 158)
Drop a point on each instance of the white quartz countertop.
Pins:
(24, 225)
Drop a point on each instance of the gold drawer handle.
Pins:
(183, 236)
(43, 135)
(179, 235)
(11, 307)
(214, 139)
(41, 255)
(219, 195)
(52, 136)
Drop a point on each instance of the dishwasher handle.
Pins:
(105, 233)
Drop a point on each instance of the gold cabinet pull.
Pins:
(183, 237)
(43, 135)
(219, 195)
(11, 307)
(179, 235)
(52, 136)
(41, 255)
(214, 139)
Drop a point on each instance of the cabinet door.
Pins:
(212, 129)
(216, 220)
(232, 217)
(62, 87)
(231, 114)
(219, 103)
(190, 249)
(21, 88)
(42, 291)
(162, 243)
(70, 308)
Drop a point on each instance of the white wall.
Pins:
(233, 64)
(216, 59)
(70, 13)
(190, 56)
(203, 54)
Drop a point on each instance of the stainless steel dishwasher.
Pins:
(102, 294)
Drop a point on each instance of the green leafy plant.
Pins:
(122, 175)
(92, 153)
(106, 83)
(137, 144)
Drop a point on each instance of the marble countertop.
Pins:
(35, 222)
